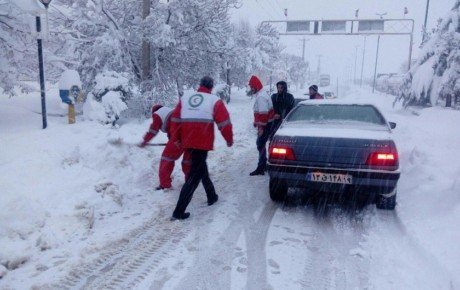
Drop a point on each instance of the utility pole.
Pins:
(319, 64)
(303, 47)
(145, 44)
(41, 70)
(376, 61)
(362, 62)
(426, 19)
(356, 59)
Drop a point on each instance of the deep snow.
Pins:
(76, 211)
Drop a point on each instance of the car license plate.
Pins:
(330, 178)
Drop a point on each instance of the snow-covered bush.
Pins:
(437, 72)
(223, 92)
(111, 81)
(108, 98)
(108, 110)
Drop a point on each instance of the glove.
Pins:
(142, 144)
(254, 124)
(230, 144)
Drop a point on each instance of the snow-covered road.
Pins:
(245, 241)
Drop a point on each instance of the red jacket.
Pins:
(263, 106)
(316, 96)
(161, 120)
(192, 121)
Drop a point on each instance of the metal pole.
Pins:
(356, 59)
(376, 61)
(42, 74)
(362, 62)
(410, 51)
(228, 79)
(337, 95)
(270, 82)
(303, 49)
(426, 19)
(319, 64)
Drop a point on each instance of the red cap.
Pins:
(255, 83)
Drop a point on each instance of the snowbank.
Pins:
(62, 190)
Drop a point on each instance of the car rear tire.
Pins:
(278, 189)
(386, 203)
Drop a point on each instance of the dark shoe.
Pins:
(257, 172)
(181, 216)
(213, 201)
(162, 188)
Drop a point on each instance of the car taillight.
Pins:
(382, 159)
(282, 153)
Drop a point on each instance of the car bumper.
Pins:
(365, 181)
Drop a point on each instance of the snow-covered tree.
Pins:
(437, 72)
(17, 49)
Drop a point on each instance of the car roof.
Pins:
(335, 102)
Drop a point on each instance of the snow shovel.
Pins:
(120, 142)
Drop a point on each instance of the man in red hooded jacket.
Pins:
(161, 119)
(192, 125)
(263, 119)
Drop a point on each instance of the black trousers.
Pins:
(262, 147)
(198, 173)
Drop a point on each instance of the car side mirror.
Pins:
(392, 125)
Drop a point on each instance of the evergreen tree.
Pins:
(437, 71)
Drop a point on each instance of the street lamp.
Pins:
(38, 23)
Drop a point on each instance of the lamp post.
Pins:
(46, 3)
(425, 22)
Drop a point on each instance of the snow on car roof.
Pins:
(334, 102)
(335, 130)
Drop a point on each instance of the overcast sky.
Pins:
(338, 52)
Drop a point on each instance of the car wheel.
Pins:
(278, 189)
(386, 203)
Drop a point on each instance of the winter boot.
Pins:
(213, 201)
(181, 216)
(257, 172)
(162, 188)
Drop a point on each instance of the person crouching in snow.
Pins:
(263, 119)
(161, 119)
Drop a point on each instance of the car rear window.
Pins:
(326, 113)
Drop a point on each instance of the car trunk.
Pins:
(333, 151)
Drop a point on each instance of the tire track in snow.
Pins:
(256, 241)
(332, 264)
(395, 238)
(216, 261)
(124, 263)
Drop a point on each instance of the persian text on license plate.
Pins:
(330, 178)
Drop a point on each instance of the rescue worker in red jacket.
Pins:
(192, 125)
(161, 120)
(263, 119)
(313, 91)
